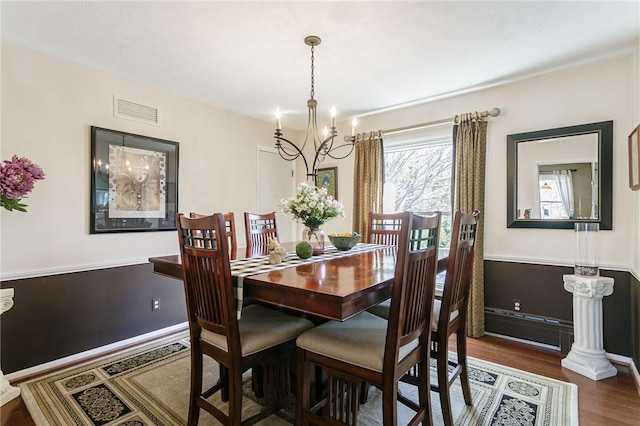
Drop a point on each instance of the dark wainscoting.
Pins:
(546, 308)
(61, 315)
(635, 329)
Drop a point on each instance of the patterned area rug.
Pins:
(150, 386)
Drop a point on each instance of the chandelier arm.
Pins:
(279, 138)
(286, 153)
(337, 148)
(327, 146)
(327, 141)
(287, 156)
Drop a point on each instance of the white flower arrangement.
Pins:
(312, 206)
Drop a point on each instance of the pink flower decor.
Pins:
(17, 178)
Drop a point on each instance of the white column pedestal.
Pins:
(7, 392)
(587, 355)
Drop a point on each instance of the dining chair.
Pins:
(262, 336)
(450, 316)
(230, 226)
(259, 228)
(450, 313)
(384, 228)
(370, 349)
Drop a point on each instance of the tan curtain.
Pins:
(471, 146)
(368, 176)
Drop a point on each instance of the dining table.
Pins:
(335, 285)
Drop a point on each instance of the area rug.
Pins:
(149, 385)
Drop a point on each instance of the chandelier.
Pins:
(323, 146)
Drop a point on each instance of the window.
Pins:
(418, 167)
(551, 204)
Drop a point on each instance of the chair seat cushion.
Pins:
(359, 340)
(382, 310)
(436, 315)
(261, 328)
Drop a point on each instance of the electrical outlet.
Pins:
(516, 305)
(155, 304)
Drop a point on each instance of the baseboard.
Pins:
(635, 374)
(28, 373)
(627, 362)
(528, 342)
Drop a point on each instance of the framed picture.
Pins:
(134, 182)
(328, 178)
(634, 159)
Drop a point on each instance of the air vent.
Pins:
(135, 110)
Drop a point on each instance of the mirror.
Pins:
(557, 177)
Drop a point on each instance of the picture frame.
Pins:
(328, 177)
(634, 159)
(134, 182)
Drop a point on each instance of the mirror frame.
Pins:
(604, 130)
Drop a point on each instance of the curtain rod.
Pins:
(494, 112)
(455, 119)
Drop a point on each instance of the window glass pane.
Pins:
(418, 178)
(551, 204)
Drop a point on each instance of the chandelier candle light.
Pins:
(323, 146)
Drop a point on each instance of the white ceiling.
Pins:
(249, 57)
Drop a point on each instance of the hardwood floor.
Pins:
(613, 401)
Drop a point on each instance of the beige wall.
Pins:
(48, 107)
(594, 92)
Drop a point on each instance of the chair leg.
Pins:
(224, 379)
(235, 399)
(318, 383)
(424, 389)
(389, 404)
(196, 387)
(462, 361)
(303, 389)
(443, 383)
(257, 381)
(364, 393)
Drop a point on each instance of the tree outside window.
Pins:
(418, 178)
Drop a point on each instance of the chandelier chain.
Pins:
(312, 77)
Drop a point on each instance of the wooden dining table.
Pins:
(333, 287)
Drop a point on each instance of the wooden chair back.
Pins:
(452, 318)
(259, 228)
(384, 228)
(457, 283)
(230, 230)
(414, 284)
(207, 278)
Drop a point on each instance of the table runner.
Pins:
(241, 268)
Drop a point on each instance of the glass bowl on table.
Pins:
(345, 241)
